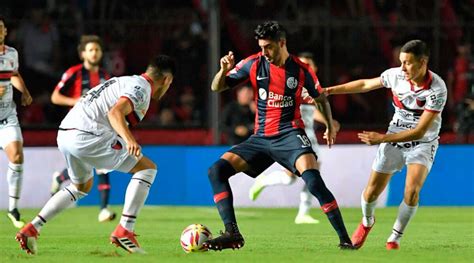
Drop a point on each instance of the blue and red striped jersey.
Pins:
(77, 81)
(277, 91)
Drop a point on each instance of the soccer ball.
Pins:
(194, 236)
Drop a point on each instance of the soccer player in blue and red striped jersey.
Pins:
(278, 79)
(74, 83)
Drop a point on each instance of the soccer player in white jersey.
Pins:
(419, 96)
(95, 134)
(11, 140)
(309, 114)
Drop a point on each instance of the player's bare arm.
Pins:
(319, 117)
(116, 117)
(18, 82)
(322, 104)
(59, 99)
(356, 86)
(227, 62)
(426, 120)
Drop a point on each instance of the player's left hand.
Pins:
(330, 136)
(370, 138)
(26, 99)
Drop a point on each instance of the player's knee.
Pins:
(147, 176)
(17, 158)
(370, 195)
(411, 196)
(85, 187)
(78, 191)
(221, 170)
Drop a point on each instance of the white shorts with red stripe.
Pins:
(84, 151)
(392, 157)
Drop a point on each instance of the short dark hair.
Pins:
(417, 47)
(86, 39)
(162, 64)
(270, 30)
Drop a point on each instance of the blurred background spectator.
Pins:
(351, 39)
(238, 116)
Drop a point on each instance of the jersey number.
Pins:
(94, 93)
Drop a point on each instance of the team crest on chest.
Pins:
(291, 82)
(262, 93)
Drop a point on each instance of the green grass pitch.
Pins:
(436, 234)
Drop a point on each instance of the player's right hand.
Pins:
(227, 62)
(330, 136)
(134, 148)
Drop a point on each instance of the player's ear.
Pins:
(282, 42)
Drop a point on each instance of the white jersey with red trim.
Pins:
(410, 101)
(90, 113)
(8, 66)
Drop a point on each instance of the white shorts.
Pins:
(391, 157)
(10, 131)
(84, 151)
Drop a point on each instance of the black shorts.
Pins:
(261, 152)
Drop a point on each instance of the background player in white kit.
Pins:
(95, 134)
(419, 96)
(11, 139)
(309, 114)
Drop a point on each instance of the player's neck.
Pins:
(421, 80)
(90, 67)
(2, 47)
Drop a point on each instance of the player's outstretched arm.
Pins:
(19, 84)
(116, 116)
(356, 86)
(227, 62)
(426, 120)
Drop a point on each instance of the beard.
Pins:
(93, 63)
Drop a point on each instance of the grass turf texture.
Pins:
(436, 234)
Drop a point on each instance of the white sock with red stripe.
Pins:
(305, 201)
(56, 204)
(368, 210)
(137, 192)
(278, 177)
(14, 179)
(405, 214)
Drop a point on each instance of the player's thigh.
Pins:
(109, 152)
(79, 172)
(9, 134)
(423, 153)
(293, 150)
(250, 156)
(389, 159)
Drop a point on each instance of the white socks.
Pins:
(405, 213)
(277, 177)
(305, 201)
(368, 210)
(137, 192)
(14, 179)
(57, 203)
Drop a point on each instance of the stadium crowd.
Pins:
(350, 39)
